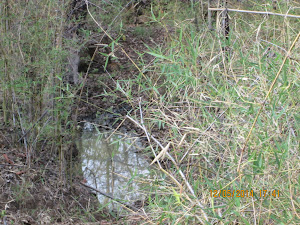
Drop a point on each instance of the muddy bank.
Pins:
(39, 194)
(49, 191)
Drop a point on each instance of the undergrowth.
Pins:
(207, 97)
(206, 92)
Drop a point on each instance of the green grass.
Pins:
(196, 91)
(197, 97)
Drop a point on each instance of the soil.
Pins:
(119, 69)
(40, 193)
(37, 194)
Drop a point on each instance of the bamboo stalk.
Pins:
(254, 12)
(209, 17)
(265, 100)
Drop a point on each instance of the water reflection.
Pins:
(110, 164)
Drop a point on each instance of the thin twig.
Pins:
(147, 135)
(149, 141)
(179, 170)
(5, 138)
(274, 45)
(4, 220)
(207, 129)
(111, 197)
(41, 117)
(28, 155)
(84, 208)
(209, 16)
(3, 164)
(37, 136)
(254, 12)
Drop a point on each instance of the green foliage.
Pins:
(34, 65)
(199, 84)
(142, 32)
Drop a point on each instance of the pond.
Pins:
(111, 164)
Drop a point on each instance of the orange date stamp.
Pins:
(243, 193)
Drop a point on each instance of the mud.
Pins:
(41, 193)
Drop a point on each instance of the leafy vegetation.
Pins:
(227, 105)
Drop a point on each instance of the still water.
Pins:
(111, 165)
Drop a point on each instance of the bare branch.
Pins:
(254, 12)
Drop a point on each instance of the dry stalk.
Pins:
(41, 117)
(209, 16)
(179, 170)
(264, 102)
(147, 135)
(253, 12)
(198, 139)
(126, 206)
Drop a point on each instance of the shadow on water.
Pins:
(111, 165)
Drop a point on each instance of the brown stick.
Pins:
(209, 16)
(254, 12)
(111, 197)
